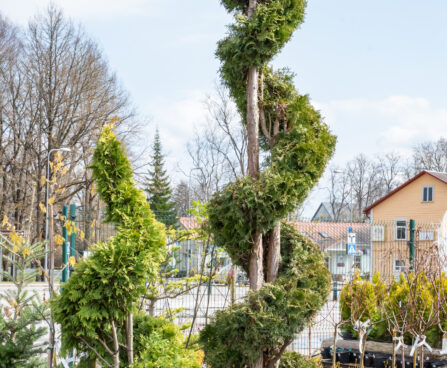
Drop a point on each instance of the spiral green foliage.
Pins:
(106, 286)
(273, 314)
(299, 150)
(254, 41)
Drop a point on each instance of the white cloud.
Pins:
(394, 123)
(176, 121)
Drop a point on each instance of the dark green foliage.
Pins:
(300, 145)
(290, 359)
(299, 159)
(22, 312)
(273, 314)
(21, 352)
(105, 287)
(254, 41)
(231, 5)
(158, 187)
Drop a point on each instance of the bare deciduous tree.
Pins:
(366, 180)
(431, 156)
(56, 90)
(219, 150)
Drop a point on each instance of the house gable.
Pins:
(407, 201)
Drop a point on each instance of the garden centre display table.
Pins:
(378, 355)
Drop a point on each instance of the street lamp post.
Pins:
(62, 149)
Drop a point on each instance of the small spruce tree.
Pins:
(158, 187)
(22, 313)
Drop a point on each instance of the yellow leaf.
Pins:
(58, 239)
(57, 156)
(60, 190)
(64, 171)
(5, 221)
(42, 208)
(92, 191)
(70, 226)
(93, 223)
(16, 239)
(81, 235)
(72, 261)
(51, 201)
(43, 180)
(26, 252)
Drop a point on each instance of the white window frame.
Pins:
(395, 228)
(378, 232)
(432, 193)
(426, 236)
(397, 270)
(359, 263)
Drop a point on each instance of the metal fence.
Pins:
(381, 246)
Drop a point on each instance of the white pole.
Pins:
(47, 177)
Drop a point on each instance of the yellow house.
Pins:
(423, 198)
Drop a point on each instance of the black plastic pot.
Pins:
(431, 363)
(409, 363)
(369, 359)
(344, 357)
(379, 360)
(355, 357)
(326, 353)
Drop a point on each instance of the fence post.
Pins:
(65, 246)
(411, 243)
(73, 234)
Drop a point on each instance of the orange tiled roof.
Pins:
(188, 222)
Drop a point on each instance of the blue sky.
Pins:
(375, 69)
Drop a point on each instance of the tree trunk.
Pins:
(252, 122)
(129, 331)
(256, 275)
(152, 307)
(116, 347)
(334, 347)
(274, 252)
(256, 272)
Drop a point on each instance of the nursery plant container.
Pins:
(409, 363)
(380, 360)
(343, 357)
(326, 353)
(369, 359)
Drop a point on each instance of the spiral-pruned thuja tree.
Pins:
(95, 308)
(288, 279)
